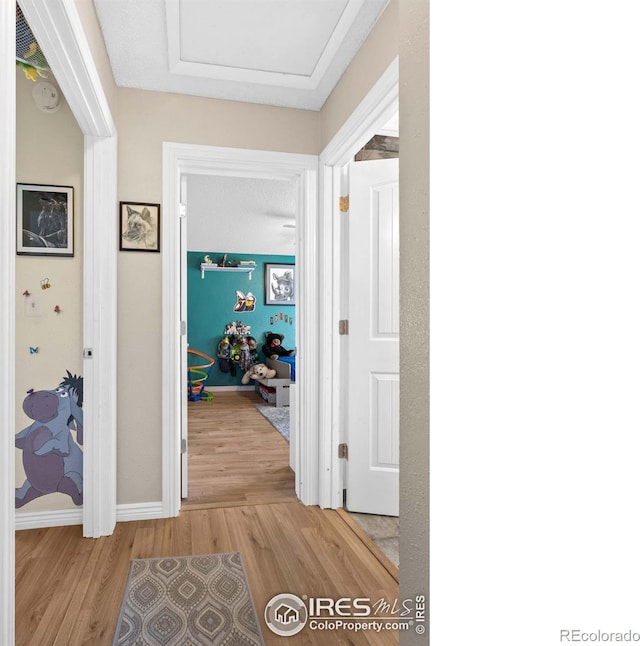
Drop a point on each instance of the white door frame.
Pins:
(57, 27)
(179, 159)
(7, 319)
(374, 111)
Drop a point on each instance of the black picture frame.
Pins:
(139, 226)
(279, 284)
(44, 220)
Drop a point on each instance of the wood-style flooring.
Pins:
(69, 589)
(235, 456)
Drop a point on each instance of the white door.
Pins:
(373, 362)
(183, 338)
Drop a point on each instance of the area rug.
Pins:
(188, 601)
(279, 418)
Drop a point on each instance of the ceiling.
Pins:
(241, 215)
(289, 53)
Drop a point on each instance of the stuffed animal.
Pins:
(224, 354)
(259, 371)
(253, 350)
(273, 347)
(231, 329)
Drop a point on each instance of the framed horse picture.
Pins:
(44, 220)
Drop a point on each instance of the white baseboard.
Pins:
(64, 517)
(38, 519)
(140, 511)
(221, 389)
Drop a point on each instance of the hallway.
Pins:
(69, 589)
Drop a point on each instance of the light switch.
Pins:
(32, 306)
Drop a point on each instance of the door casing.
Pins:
(188, 159)
(375, 110)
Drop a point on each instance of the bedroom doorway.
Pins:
(232, 230)
(232, 164)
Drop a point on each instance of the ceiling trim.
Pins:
(255, 76)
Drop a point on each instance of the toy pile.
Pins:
(237, 348)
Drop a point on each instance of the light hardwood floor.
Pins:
(235, 456)
(69, 589)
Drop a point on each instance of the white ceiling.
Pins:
(277, 52)
(241, 215)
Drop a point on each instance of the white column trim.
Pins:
(192, 159)
(171, 384)
(100, 335)
(7, 320)
(375, 110)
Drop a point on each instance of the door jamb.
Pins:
(179, 159)
(7, 320)
(379, 105)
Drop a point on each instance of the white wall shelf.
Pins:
(207, 267)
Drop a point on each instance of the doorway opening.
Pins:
(180, 161)
(238, 230)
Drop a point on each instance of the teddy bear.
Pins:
(273, 347)
(259, 371)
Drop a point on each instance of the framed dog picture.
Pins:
(44, 220)
(139, 226)
(279, 284)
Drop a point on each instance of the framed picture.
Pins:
(139, 226)
(279, 284)
(44, 220)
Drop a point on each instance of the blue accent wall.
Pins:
(210, 303)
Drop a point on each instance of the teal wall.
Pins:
(210, 303)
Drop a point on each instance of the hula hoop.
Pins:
(198, 375)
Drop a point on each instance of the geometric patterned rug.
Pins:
(188, 601)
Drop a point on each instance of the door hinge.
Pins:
(183, 328)
(183, 448)
(343, 451)
(344, 203)
(183, 210)
(343, 327)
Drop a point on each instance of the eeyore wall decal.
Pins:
(52, 460)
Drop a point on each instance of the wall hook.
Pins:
(57, 309)
(26, 293)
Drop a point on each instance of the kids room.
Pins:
(241, 330)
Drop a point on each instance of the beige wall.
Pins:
(414, 321)
(49, 150)
(145, 120)
(374, 57)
